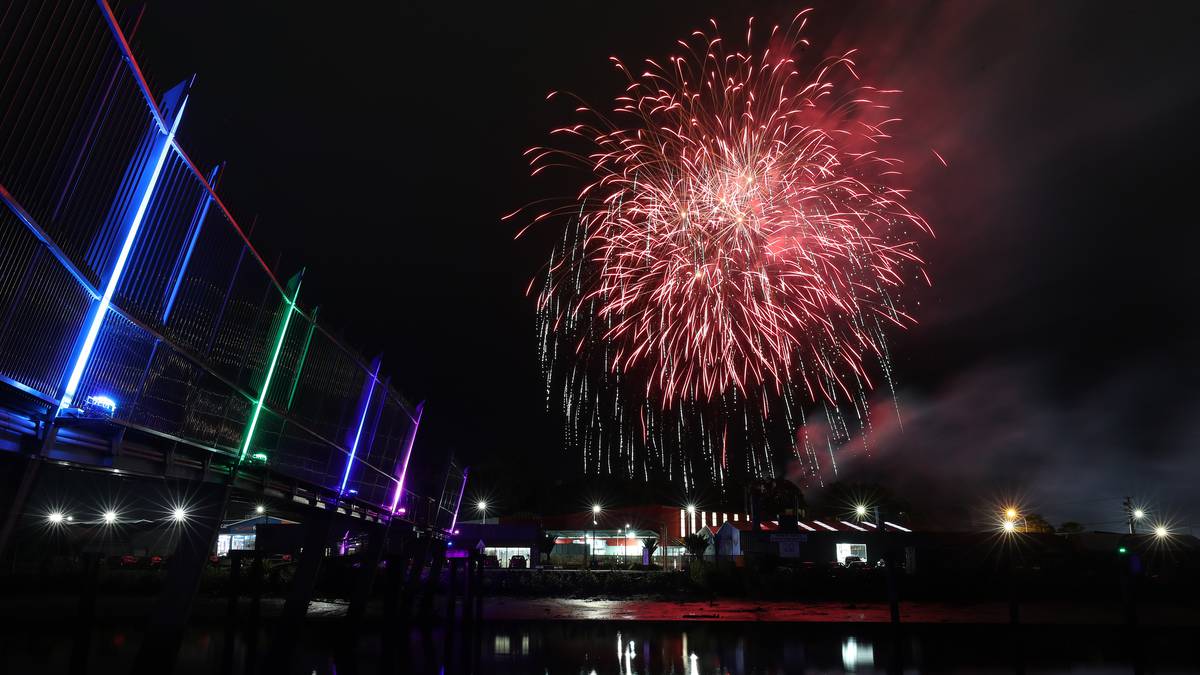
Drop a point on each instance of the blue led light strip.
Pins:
(89, 340)
(191, 246)
(366, 406)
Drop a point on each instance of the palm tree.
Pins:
(650, 546)
(547, 545)
(695, 544)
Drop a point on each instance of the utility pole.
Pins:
(1128, 505)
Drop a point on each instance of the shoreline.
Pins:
(513, 609)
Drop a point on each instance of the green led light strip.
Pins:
(303, 356)
(262, 397)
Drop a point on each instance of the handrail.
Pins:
(42, 236)
(144, 87)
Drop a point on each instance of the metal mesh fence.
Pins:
(196, 324)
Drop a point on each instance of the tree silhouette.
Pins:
(695, 544)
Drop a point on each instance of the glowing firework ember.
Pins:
(742, 244)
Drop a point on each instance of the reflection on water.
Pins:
(855, 656)
(587, 648)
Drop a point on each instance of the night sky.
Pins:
(1055, 361)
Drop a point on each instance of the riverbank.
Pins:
(22, 608)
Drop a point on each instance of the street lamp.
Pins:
(260, 509)
(55, 517)
(860, 511)
(1009, 526)
(592, 551)
(625, 546)
(481, 506)
(110, 517)
(179, 514)
(1161, 532)
(1138, 514)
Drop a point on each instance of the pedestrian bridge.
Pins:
(141, 332)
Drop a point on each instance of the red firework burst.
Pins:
(742, 230)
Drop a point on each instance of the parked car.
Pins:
(489, 561)
(517, 562)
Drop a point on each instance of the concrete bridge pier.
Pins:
(317, 533)
(20, 479)
(197, 536)
(364, 580)
(399, 547)
(437, 558)
(421, 549)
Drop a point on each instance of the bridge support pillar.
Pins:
(24, 476)
(365, 579)
(437, 558)
(316, 537)
(317, 532)
(197, 536)
(410, 584)
(400, 548)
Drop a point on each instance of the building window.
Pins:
(504, 554)
(845, 551)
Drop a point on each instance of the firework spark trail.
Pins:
(742, 237)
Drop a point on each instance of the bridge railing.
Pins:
(106, 220)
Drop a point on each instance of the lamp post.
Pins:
(1010, 530)
(625, 546)
(1134, 513)
(481, 506)
(592, 548)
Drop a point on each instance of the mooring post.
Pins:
(235, 579)
(892, 580)
(451, 589)
(256, 587)
(392, 583)
(81, 648)
(477, 585)
(1014, 607)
